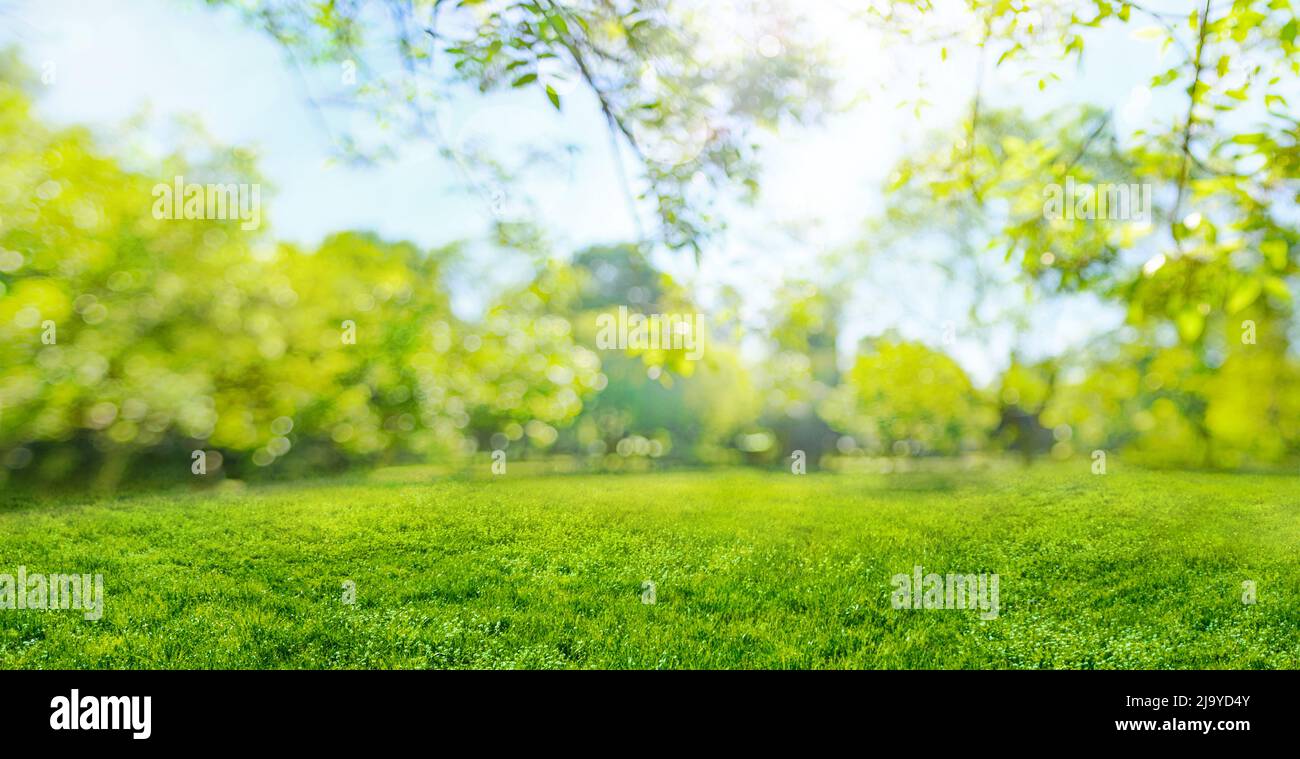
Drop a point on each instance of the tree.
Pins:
(1223, 173)
(684, 110)
(801, 367)
(132, 341)
(903, 398)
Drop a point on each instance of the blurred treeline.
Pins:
(175, 336)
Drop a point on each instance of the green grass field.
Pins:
(1131, 569)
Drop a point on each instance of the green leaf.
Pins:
(1276, 287)
(1244, 295)
(1161, 80)
(1275, 253)
(1190, 324)
(553, 96)
(528, 78)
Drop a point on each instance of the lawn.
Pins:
(752, 569)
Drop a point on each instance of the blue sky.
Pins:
(117, 60)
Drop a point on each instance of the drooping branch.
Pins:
(1185, 170)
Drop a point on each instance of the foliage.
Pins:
(188, 335)
(1222, 235)
(171, 336)
(904, 398)
(1211, 261)
(686, 109)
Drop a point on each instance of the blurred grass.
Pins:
(753, 569)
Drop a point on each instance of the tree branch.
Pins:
(1185, 171)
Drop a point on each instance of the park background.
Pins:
(850, 193)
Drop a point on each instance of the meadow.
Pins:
(1134, 569)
